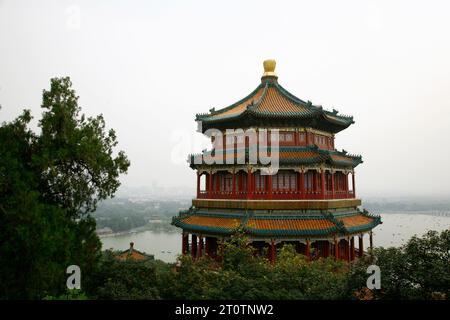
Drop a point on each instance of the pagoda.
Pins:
(274, 174)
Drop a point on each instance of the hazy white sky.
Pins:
(150, 66)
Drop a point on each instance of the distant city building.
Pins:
(307, 202)
(133, 254)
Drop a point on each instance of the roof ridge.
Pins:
(244, 220)
(254, 106)
(215, 112)
(340, 227)
(289, 97)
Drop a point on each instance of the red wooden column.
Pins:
(200, 246)
(346, 184)
(238, 182)
(194, 246)
(315, 182)
(208, 246)
(198, 184)
(302, 184)
(233, 181)
(352, 248)
(336, 249)
(269, 186)
(212, 247)
(332, 184)
(210, 187)
(347, 244)
(308, 249)
(322, 180)
(253, 183)
(217, 182)
(185, 243)
(249, 184)
(272, 252)
(353, 184)
(360, 246)
(326, 249)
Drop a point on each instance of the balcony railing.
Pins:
(276, 194)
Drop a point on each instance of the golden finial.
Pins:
(269, 68)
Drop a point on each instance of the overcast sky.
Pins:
(150, 66)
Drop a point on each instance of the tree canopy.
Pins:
(49, 183)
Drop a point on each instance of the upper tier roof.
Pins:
(271, 104)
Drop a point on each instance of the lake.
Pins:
(396, 229)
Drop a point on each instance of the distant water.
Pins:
(164, 245)
(396, 229)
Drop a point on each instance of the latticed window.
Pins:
(226, 182)
(318, 139)
(289, 137)
(260, 182)
(340, 181)
(286, 137)
(309, 180)
(284, 181)
(301, 137)
(328, 184)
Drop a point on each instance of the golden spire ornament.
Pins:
(269, 68)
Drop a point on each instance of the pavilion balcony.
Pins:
(276, 195)
(285, 184)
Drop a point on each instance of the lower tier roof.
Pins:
(279, 224)
(293, 155)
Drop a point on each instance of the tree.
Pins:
(243, 275)
(49, 183)
(420, 269)
(75, 154)
(130, 280)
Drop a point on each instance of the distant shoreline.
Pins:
(137, 230)
(437, 213)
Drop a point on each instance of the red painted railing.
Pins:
(276, 194)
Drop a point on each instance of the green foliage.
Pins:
(244, 275)
(119, 280)
(418, 270)
(73, 294)
(76, 154)
(48, 184)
